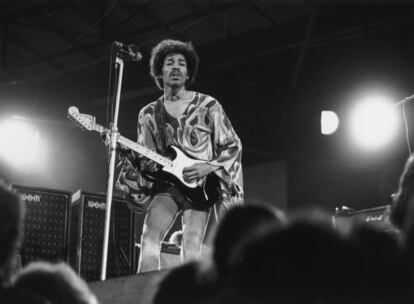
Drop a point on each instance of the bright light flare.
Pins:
(19, 144)
(329, 122)
(374, 123)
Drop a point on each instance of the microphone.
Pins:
(130, 50)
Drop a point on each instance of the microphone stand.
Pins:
(403, 101)
(119, 63)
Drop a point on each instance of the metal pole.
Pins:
(112, 146)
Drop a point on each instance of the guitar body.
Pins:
(202, 194)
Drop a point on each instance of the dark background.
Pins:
(274, 65)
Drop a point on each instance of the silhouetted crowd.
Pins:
(259, 255)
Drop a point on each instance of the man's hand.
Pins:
(197, 171)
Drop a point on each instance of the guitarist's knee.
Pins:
(151, 239)
(191, 247)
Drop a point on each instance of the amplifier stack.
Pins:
(60, 226)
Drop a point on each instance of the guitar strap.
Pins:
(160, 120)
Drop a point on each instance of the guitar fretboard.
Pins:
(163, 161)
(88, 122)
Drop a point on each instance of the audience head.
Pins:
(295, 263)
(238, 224)
(57, 283)
(187, 283)
(380, 263)
(11, 230)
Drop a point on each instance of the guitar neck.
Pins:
(88, 122)
(163, 161)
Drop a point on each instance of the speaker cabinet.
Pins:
(86, 234)
(46, 222)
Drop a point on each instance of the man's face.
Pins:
(174, 70)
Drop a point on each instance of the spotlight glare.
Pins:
(374, 123)
(329, 122)
(19, 143)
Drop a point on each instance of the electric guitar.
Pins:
(203, 193)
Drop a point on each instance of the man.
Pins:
(197, 124)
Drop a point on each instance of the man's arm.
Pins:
(130, 179)
(227, 148)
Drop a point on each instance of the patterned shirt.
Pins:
(203, 132)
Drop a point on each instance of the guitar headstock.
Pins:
(85, 121)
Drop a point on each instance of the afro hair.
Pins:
(169, 46)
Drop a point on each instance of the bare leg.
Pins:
(194, 228)
(159, 219)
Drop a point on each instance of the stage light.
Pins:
(329, 122)
(19, 144)
(374, 123)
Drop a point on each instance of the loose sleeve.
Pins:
(227, 154)
(131, 179)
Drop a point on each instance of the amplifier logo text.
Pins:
(96, 205)
(374, 218)
(29, 197)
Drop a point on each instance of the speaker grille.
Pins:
(87, 233)
(45, 231)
